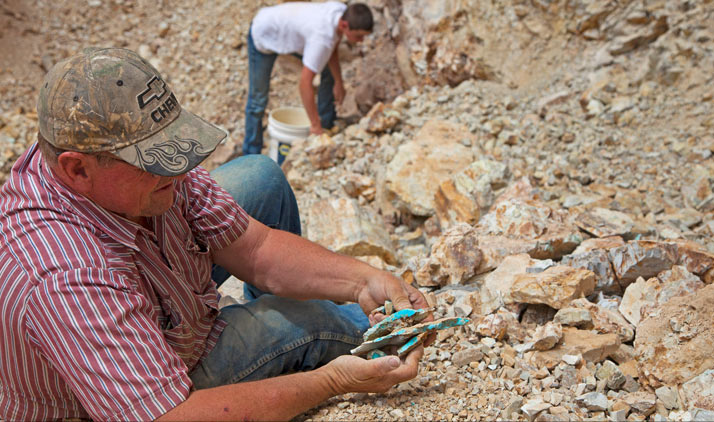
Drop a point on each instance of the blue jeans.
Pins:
(260, 65)
(271, 335)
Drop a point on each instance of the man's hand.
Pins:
(284, 397)
(339, 92)
(384, 286)
(351, 374)
(316, 129)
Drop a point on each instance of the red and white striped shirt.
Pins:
(99, 317)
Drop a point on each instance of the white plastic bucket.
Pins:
(285, 125)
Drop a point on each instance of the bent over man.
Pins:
(112, 244)
(310, 30)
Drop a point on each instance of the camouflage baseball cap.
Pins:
(110, 99)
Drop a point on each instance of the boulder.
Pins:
(494, 326)
(642, 258)
(699, 391)
(588, 245)
(574, 317)
(593, 347)
(443, 43)
(593, 401)
(673, 344)
(323, 152)
(696, 259)
(644, 297)
(547, 336)
(677, 282)
(556, 287)
(638, 295)
(341, 225)
(641, 402)
(597, 261)
(470, 192)
(496, 285)
(454, 258)
(518, 214)
(602, 222)
(381, 118)
(413, 176)
(497, 248)
(606, 320)
(452, 206)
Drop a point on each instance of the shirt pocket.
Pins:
(198, 272)
(196, 247)
(177, 330)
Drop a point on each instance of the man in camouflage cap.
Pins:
(113, 242)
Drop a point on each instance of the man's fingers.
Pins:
(396, 370)
(400, 297)
(416, 354)
(410, 365)
(417, 298)
(376, 318)
(401, 301)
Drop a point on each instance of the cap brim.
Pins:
(175, 149)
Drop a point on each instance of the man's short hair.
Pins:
(358, 16)
(51, 152)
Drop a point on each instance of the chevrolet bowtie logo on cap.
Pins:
(156, 88)
(111, 99)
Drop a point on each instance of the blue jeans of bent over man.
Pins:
(271, 335)
(260, 65)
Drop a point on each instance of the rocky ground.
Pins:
(541, 167)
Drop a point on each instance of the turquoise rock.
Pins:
(411, 344)
(401, 336)
(376, 353)
(399, 319)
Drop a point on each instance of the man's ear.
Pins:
(75, 170)
(342, 26)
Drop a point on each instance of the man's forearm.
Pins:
(288, 265)
(334, 65)
(279, 398)
(307, 95)
(292, 266)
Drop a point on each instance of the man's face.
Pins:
(131, 192)
(355, 36)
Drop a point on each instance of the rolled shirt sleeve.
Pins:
(317, 53)
(212, 213)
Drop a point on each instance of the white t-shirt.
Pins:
(309, 29)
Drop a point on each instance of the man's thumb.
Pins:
(388, 363)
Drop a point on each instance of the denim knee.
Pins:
(259, 186)
(271, 336)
